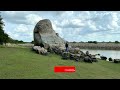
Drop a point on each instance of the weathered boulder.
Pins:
(93, 58)
(116, 60)
(65, 55)
(98, 56)
(103, 57)
(72, 56)
(74, 50)
(110, 59)
(77, 57)
(40, 50)
(87, 59)
(87, 52)
(45, 35)
(35, 48)
(82, 57)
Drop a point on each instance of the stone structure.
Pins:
(45, 35)
(40, 50)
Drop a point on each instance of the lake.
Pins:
(108, 53)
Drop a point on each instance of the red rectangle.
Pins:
(64, 69)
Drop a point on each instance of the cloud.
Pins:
(21, 29)
(33, 19)
(71, 25)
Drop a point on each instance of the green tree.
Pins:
(74, 42)
(4, 38)
(95, 42)
(20, 41)
(1, 31)
(89, 41)
(116, 41)
(32, 42)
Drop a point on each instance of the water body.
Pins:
(115, 54)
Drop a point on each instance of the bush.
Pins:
(32, 42)
(92, 42)
(74, 42)
(95, 42)
(116, 41)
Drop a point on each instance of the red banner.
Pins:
(64, 69)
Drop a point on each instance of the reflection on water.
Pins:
(108, 53)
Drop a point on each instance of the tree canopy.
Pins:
(4, 37)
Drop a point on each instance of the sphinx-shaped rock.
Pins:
(45, 35)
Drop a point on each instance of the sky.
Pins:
(71, 25)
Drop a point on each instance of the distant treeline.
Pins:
(98, 45)
(16, 41)
(95, 42)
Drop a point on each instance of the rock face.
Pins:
(40, 50)
(44, 34)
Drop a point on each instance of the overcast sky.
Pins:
(71, 25)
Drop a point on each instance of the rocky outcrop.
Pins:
(45, 35)
(116, 60)
(103, 58)
(40, 50)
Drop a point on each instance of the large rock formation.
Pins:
(45, 35)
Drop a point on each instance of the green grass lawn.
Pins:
(22, 63)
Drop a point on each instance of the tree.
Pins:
(11, 40)
(3, 36)
(20, 41)
(32, 42)
(1, 30)
(74, 42)
(89, 41)
(92, 42)
(116, 41)
(95, 42)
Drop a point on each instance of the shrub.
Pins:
(116, 41)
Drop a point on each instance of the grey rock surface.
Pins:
(44, 34)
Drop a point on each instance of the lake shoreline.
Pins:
(98, 46)
(114, 54)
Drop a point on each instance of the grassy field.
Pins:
(22, 63)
